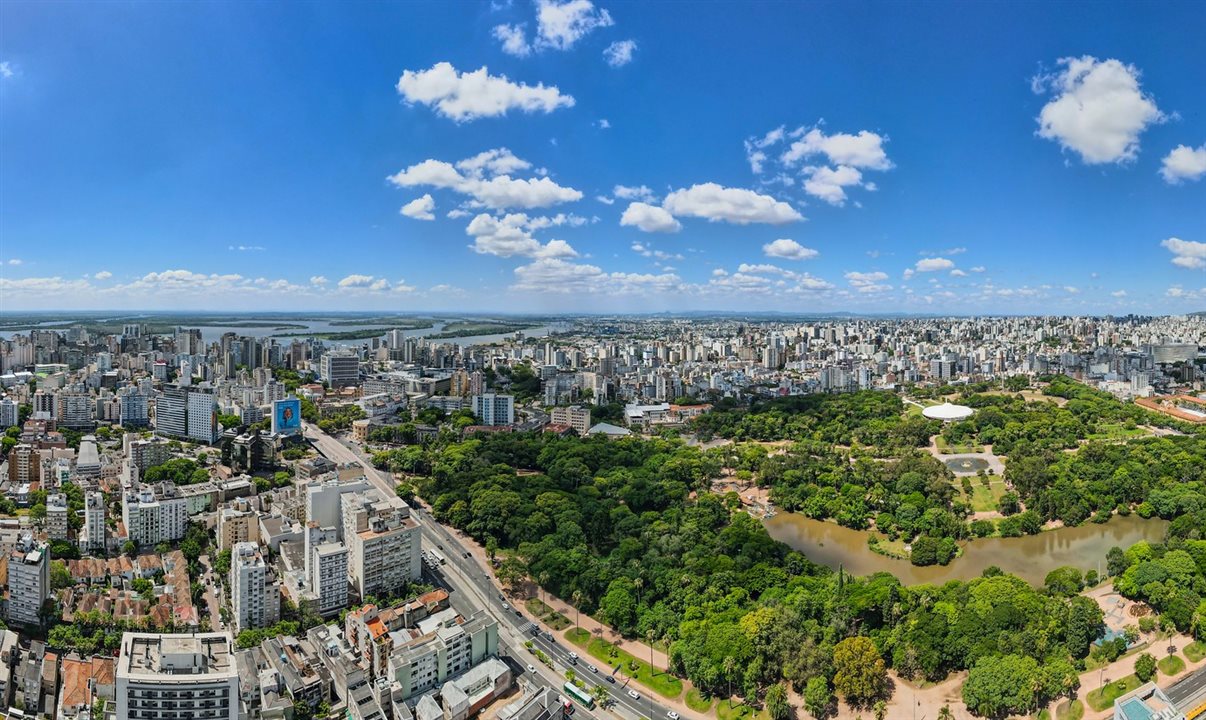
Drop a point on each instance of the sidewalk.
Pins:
(637, 649)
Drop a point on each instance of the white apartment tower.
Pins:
(382, 541)
(173, 677)
(92, 536)
(56, 516)
(254, 594)
(154, 515)
(494, 409)
(28, 580)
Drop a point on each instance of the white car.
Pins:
(592, 668)
(573, 656)
(531, 668)
(634, 695)
(672, 715)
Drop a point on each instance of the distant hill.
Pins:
(1198, 314)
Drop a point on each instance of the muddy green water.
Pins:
(1030, 557)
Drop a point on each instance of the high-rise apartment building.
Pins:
(494, 409)
(177, 677)
(576, 417)
(56, 516)
(382, 540)
(92, 535)
(155, 514)
(255, 595)
(28, 580)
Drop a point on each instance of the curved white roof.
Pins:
(947, 412)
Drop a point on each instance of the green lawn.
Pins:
(1070, 710)
(948, 449)
(697, 702)
(985, 499)
(739, 711)
(557, 621)
(1195, 651)
(660, 681)
(1103, 698)
(1171, 664)
(1116, 431)
(1044, 714)
(537, 607)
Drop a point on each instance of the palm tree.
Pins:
(944, 713)
(576, 598)
(649, 635)
(729, 666)
(639, 583)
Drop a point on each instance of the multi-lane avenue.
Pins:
(465, 577)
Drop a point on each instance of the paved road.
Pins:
(480, 589)
(1189, 692)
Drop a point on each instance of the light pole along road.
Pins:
(479, 586)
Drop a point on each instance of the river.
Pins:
(212, 333)
(1029, 557)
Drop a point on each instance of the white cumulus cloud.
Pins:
(734, 205)
(480, 181)
(420, 208)
(788, 249)
(103, 275)
(933, 264)
(513, 39)
(649, 218)
(1098, 110)
(471, 95)
(511, 235)
(1186, 253)
(1184, 163)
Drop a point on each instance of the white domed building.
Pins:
(947, 412)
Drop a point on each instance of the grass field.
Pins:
(537, 607)
(1195, 651)
(1116, 431)
(1070, 710)
(948, 449)
(697, 702)
(985, 498)
(660, 681)
(739, 711)
(1171, 665)
(1103, 698)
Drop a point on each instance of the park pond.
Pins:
(1029, 557)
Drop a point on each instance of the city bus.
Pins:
(580, 695)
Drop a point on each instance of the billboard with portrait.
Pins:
(286, 416)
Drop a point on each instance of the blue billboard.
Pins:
(286, 416)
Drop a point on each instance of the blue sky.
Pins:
(602, 156)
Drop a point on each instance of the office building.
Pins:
(28, 581)
(254, 594)
(340, 369)
(133, 408)
(177, 677)
(188, 413)
(494, 409)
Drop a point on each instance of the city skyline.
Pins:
(603, 157)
